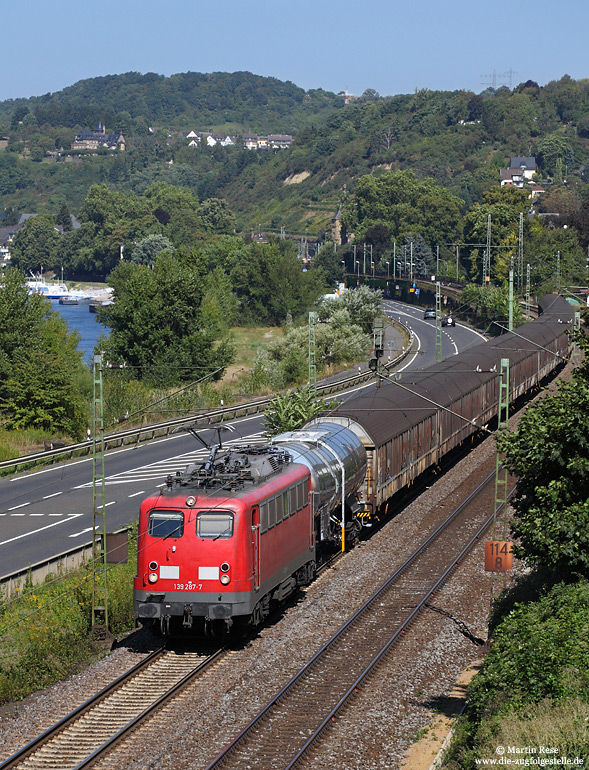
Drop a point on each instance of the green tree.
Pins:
(168, 201)
(504, 235)
(113, 219)
(34, 247)
(491, 303)
(146, 251)
(10, 217)
(403, 204)
(43, 380)
(362, 306)
(270, 284)
(219, 304)
(552, 149)
(64, 219)
(157, 322)
(216, 216)
(544, 246)
(330, 262)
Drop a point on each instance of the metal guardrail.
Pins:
(158, 430)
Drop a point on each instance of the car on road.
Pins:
(429, 312)
(448, 320)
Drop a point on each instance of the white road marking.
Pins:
(18, 514)
(55, 494)
(82, 532)
(14, 507)
(136, 494)
(41, 529)
(453, 343)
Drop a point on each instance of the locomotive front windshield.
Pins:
(165, 524)
(214, 524)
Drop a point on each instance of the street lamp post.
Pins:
(358, 263)
(388, 264)
(372, 266)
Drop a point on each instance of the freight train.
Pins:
(228, 537)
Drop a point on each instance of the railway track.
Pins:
(90, 730)
(293, 721)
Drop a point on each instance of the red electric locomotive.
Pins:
(225, 538)
(220, 541)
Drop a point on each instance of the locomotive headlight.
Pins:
(153, 566)
(225, 580)
(190, 501)
(224, 567)
(152, 577)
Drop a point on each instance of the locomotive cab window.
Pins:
(214, 524)
(165, 524)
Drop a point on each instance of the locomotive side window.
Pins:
(214, 524)
(286, 511)
(292, 503)
(165, 524)
(263, 517)
(271, 512)
(302, 493)
(279, 511)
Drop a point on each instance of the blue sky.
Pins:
(390, 46)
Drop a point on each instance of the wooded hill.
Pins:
(460, 139)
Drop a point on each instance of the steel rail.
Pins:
(68, 718)
(149, 710)
(27, 752)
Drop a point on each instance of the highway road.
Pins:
(46, 512)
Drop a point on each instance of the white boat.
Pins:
(60, 291)
(49, 290)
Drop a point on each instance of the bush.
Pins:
(540, 651)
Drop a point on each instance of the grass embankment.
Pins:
(45, 629)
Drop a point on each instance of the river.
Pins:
(86, 323)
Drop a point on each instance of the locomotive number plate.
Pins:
(188, 586)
